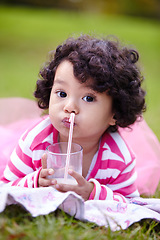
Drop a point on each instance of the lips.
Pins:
(66, 122)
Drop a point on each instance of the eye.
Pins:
(89, 99)
(61, 94)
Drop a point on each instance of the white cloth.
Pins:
(42, 201)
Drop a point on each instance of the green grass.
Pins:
(26, 36)
(17, 224)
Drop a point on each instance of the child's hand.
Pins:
(83, 187)
(43, 181)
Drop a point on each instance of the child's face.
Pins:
(93, 111)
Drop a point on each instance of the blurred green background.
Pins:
(30, 29)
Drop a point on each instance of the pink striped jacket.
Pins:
(112, 170)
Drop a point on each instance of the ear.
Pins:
(112, 121)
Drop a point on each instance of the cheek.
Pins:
(97, 120)
(51, 109)
(53, 105)
(91, 121)
(52, 112)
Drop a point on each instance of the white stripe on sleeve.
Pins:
(134, 194)
(24, 148)
(37, 155)
(107, 173)
(123, 184)
(49, 138)
(109, 193)
(9, 175)
(110, 155)
(19, 164)
(36, 130)
(130, 167)
(98, 188)
(122, 146)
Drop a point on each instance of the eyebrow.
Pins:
(59, 81)
(86, 85)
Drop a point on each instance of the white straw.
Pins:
(71, 120)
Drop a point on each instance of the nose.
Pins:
(71, 106)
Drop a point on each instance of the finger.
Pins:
(65, 187)
(44, 160)
(79, 178)
(45, 172)
(44, 182)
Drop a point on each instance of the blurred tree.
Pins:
(143, 8)
(42, 3)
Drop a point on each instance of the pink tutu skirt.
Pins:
(146, 147)
(17, 114)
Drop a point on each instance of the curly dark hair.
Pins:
(112, 69)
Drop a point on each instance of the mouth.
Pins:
(66, 122)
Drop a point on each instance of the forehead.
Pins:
(65, 73)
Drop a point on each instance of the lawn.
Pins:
(26, 36)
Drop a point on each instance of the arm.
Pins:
(113, 174)
(90, 190)
(29, 181)
(102, 192)
(24, 165)
(20, 170)
(119, 189)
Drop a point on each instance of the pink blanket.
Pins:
(17, 114)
